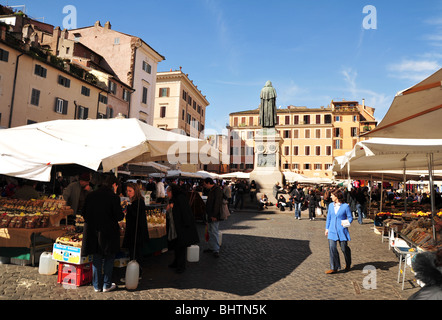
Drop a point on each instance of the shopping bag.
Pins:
(318, 211)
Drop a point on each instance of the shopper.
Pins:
(101, 234)
(276, 190)
(240, 189)
(338, 214)
(213, 211)
(361, 206)
(253, 191)
(299, 197)
(160, 191)
(428, 269)
(75, 195)
(186, 234)
(137, 233)
(312, 204)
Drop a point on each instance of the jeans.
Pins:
(335, 263)
(298, 209)
(361, 211)
(213, 230)
(102, 267)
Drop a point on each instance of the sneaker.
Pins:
(97, 290)
(113, 287)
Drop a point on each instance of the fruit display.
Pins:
(71, 239)
(31, 214)
(420, 232)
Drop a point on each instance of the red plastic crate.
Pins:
(74, 274)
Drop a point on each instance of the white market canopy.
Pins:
(380, 154)
(415, 112)
(238, 175)
(31, 151)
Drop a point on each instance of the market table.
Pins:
(403, 253)
(23, 241)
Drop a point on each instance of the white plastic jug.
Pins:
(193, 253)
(47, 265)
(132, 275)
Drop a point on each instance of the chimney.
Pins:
(363, 103)
(107, 25)
(97, 23)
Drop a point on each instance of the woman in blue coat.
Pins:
(338, 212)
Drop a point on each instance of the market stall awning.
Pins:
(238, 175)
(415, 112)
(30, 151)
(379, 154)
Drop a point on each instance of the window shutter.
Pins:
(65, 107)
(55, 105)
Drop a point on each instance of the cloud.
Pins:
(415, 70)
(380, 101)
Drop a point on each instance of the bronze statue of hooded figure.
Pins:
(267, 108)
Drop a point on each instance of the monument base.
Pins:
(267, 170)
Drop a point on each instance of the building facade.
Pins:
(311, 137)
(132, 60)
(179, 104)
(36, 89)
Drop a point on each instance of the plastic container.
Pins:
(47, 265)
(193, 253)
(74, 274)
(132, 275)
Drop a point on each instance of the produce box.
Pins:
(69, 254)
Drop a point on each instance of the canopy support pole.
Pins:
(382, 191)
(405, 185)
(430, 172)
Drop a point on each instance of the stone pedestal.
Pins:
(267, 169)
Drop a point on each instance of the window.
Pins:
(327, 118)
(328, 166)
(328, 133)
(102, 98)
(250, 134)
(144, 97)
(249, 151)
(307, 166)
(109, 112)
(295, 134)
(337, 144)
(355, 118)
(337, 132)
(307, 150)
(85, 91)
(250, 121)
(61, 106)
(35, 97)
(163, 112)
(295, 166)
(354, 132)
(318, 150)
(287, 119)
(126, 95)
(328, 150)
(40, 71)
(65, 82)
(182, 114)
(337, 118)
(184, 96)
(189, 118)
(82, 112)
(318, 166)
(286, 166)
(112, 87)
(306, 119)
(4, 55)
(318, 119)
(296, 120)
(164, 92)
(194, 105)
(116, 40)
(307, 133)
(287, 150)
(147, 67)
(318, 133)
(295, 150)
(287, 134)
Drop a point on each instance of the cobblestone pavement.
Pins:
(264, 256)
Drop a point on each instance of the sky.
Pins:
(312, 51)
